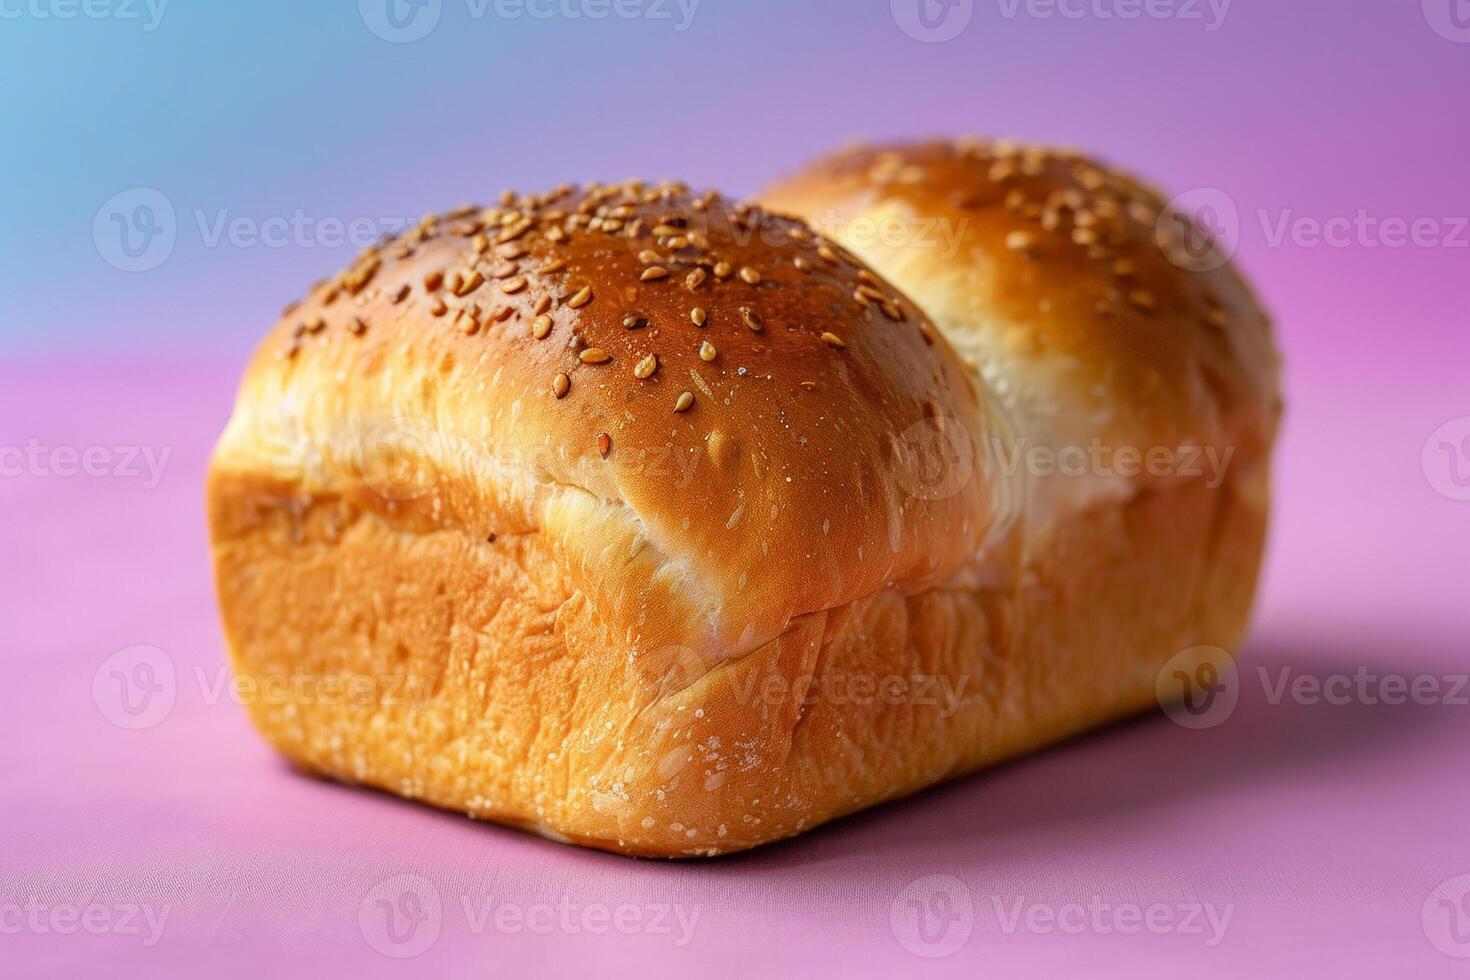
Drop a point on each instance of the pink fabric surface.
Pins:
(1323, 830)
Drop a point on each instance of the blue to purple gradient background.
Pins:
(263, 109)
(1329, 828)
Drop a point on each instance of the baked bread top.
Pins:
(1092, 310)
(721, 413)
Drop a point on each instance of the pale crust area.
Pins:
(486, 681)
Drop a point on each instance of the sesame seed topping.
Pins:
(604, 444)
(654, 272)
(1142, 299)
(752, 319)
(1021, 241)
(695, 277)
(832, 340)
(646, 367)
(433, 280)
(698, 316)
(402, 293)
(684, 401)
(722, 270)
(580, 298)
(469, 283)
(594, 355)
(635, 322)
(555, 265)
(561, 384)
(541, 326)
(356, 326)
(824, 251)
(514, 285)
(438, 307)
(749, 275)
(707, 351)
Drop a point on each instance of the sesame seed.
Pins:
(695, 277)
(649, 257)
(555, 265)
(540, 327)
(1084, 236)
(434, 280)
(594, 355)
(1021, 241)
(891, 310)
(646, 367)
(604, 444)
(707, 351)
(722, 270)
(682, 403)
(752, 319)
(514, 285)
(1142, 299)
(356, 326)
(801, 263)
(468, 284)
(634, 322)
(438, 307)
(698, 316)
(580, 298)
(402, 293)
(561, 384)
(826, 254)
(832, 340)
(749, 275)
(502, 270)
(654, 272)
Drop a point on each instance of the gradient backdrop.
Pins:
(171, 175)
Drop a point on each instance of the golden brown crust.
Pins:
(477, 676)
(1056, 273)
(575, 600)
(573, 339)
